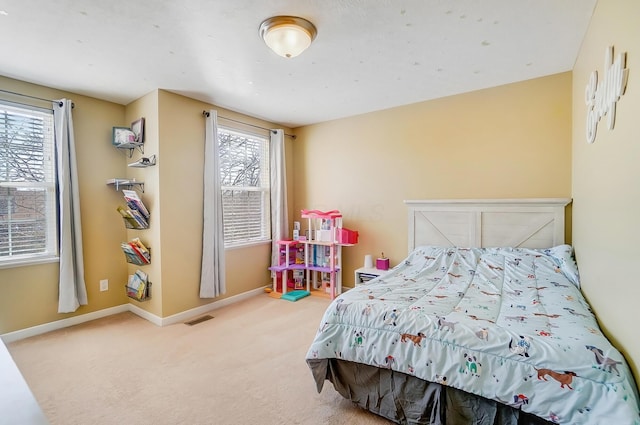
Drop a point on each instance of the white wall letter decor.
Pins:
(601, 96)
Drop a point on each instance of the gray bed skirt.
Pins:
(405, 399)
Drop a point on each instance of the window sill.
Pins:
(246, 245)
(28, 261)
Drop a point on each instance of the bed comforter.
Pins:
(506, 324)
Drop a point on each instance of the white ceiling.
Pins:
(369, 54)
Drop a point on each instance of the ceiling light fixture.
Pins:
(288, 36)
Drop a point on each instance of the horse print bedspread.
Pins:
(507, 324)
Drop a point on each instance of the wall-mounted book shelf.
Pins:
(119, 183)
(144, 162)
(133, 294)
(129, 139)
(130, 147)
(136, 252)
(135, 214)
(139, 287)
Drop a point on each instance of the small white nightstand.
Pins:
(365, 274)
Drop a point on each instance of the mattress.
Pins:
(506, 324)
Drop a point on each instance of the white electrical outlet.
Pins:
(104, 285)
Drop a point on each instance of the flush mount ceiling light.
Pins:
(288, 36)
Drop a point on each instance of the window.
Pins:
(27, 185)
(244, 177)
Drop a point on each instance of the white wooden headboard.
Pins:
(527, 223)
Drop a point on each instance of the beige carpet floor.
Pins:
(244, 366)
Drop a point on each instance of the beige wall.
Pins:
(512, 141)
(29, 294)
(174, 131)
(180, 191)
(606, 177)
(147, 107)
(174, 193)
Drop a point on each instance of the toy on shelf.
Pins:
(314, 257)
(290, 259)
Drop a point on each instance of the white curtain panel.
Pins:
(279, 210)
(72, 288)
(212, 277)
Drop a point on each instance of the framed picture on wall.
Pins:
(138, 129)
(122, 136)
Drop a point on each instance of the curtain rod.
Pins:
(206, 114)
(33, 97)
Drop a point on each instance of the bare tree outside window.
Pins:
(27, 213)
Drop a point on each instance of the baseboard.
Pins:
(63, 323)
(156, 320)
(189, 314)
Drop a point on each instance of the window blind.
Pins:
(244, 175)
(27, 183)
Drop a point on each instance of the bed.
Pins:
(482, 323)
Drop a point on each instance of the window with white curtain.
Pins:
(27, 185)
(244, 179)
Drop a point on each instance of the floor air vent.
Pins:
(198, 320)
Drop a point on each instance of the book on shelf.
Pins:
(134, 202)
(130, 221)
(130, 253)
(133, 220)
(366, 277)
(142, 221)
(136, 252)
(138, 285)
(136, 215)
(137, 244)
